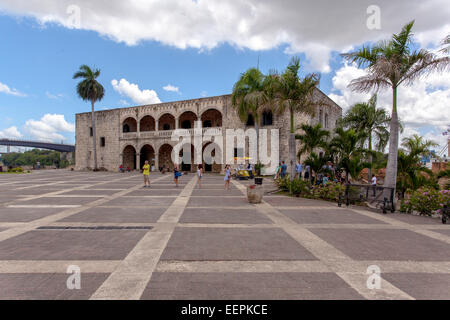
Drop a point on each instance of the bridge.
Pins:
(38, 144)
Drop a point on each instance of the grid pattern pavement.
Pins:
(164, 242)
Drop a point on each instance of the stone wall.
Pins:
(110, 127)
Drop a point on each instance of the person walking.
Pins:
(374, 185)
(250, 170)
(176, 175)
(200, 175)
(227, 177)
(283, 169)
(298, 170)
(146, 172)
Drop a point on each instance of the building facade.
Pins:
(129, 136)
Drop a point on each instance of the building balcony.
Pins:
(165, 133)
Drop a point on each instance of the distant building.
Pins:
(129, 136)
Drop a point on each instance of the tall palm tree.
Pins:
(446, 44)
(89, 89)
(313, 137)
(412, 174)
(364, 117)
(346, 144)
(248, 98)
(296, 95)
(391, 64)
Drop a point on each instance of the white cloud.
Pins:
(53, 96)
(424, 106)
(14, 92)
(313, 27)
(171, 88)
(132, 91)
(49, 128)
(10, 133)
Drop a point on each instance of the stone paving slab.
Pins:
(296, 202)
(398, 244)
(422, 286)
(247, 286)
(141, 201)
(206, 192)
(333, 215)
(232, 216)
(34, 191)
(90, 192)
(413, 219)
(70, 245)
(219, 202)
(25, 214)
(119, 215)
(59, 201)
(47, 286)
(156, 192)
(233, 244)
(445, 232)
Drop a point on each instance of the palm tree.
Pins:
(412, 174)
(296, 95)
(89, 89)
(446, 44)
(364, 117)
(313, 137)
(315, 163)
(248, 98)
(391, 64)
(346, 144)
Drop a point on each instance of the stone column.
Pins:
(157, 125)
(138, 129)
(138, 161)
(176, 122)
(157, 161)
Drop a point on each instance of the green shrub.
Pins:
(427, 201)
(16, 170)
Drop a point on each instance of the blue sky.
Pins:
(39, 57)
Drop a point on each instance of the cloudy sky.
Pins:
(157, 51)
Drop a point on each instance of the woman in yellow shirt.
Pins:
(146, 171)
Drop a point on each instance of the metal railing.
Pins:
(380, 196)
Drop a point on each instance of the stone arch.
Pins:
(211, 118)
(187, 119)
(211, 167)
(129, 125)
(129, 157)
(187, 166)
(267, 118)
(165, 156)
(147, 152)
(147, 123)
(166, 122)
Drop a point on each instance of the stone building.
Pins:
(129, 136)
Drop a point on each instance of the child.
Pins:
(146, 172)
(200, 175)
(227, 177)
(176, 175)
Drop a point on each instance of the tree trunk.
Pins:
(94, 137)
(257, 141)
(369, 176)
(390, 179)
(292, 146)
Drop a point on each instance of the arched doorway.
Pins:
(165, 157)
(129, 125)
(147, 153)
(186, 120)
(211, 118)
(267, 118)
(129, 157)
(166, 122)
(186, 164)
(209, 152)
(147, 123)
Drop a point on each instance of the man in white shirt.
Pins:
(374, 184)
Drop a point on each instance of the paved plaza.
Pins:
(163, 242)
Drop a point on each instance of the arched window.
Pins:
(166, 126)
(267, 118)
(250, 120)
(207, 124)
(326, 120)
(126, 128)
(186, 124)
(321, 117)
